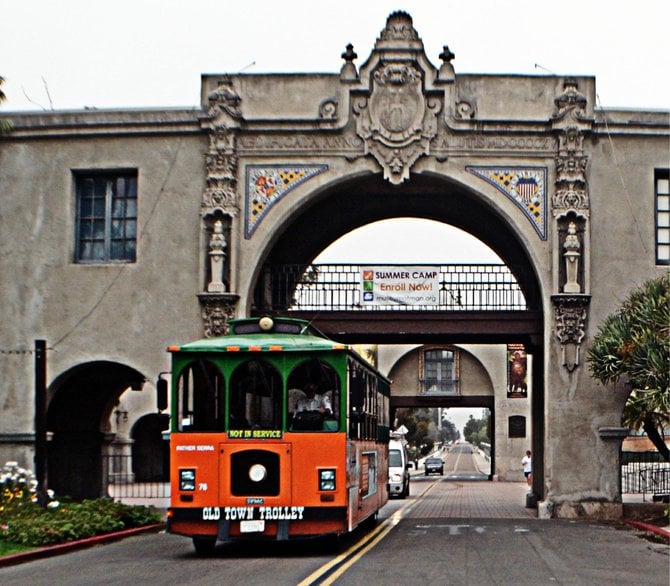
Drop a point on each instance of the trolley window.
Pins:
(313, 397)
(255, 396)
(201, 393)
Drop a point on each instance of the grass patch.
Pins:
(9, 548)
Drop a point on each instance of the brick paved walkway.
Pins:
(457, 499)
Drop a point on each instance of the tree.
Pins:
(476, 431)
(633, 344)
(5, 125)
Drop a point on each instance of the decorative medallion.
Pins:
(397, 122)
(267, 184)
(526, 187)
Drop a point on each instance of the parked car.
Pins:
(433, 466)
(398, 470)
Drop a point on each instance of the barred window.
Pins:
(662, 185)
(106, 217)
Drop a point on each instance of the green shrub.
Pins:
(23, 521)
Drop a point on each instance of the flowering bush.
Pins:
(23, 521)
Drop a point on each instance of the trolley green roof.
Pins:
(265, 335)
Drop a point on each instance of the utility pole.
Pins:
(41, 420)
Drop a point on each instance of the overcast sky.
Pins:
(69, 54)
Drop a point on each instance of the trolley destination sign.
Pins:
(400, 285)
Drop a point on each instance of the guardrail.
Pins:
(330, 287)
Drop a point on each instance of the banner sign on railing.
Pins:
(400, 285)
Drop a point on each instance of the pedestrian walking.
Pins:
(527, 464)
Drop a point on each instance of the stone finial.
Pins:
(446, 72)
(348, 70)
(399, 27)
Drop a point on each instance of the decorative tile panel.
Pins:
(267, 184)
(525, 186)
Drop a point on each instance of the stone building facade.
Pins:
(123, 231)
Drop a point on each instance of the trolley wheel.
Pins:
(204, 545)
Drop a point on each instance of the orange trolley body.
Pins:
(253, 455)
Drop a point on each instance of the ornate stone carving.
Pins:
(217, 254)
(397, 122)
(464, 109)
(216, 310)
(224, 99)
(570, 122)
(328, 109)
(399, 28)
(571, 255)
(570, 312)
(221, 163)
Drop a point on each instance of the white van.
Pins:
(398, 470)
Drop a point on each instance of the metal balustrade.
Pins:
(644, 473)
(331, 287)
(121, 483)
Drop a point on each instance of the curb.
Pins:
(53, 550)
(649, 528)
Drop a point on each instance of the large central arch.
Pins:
(332, 212)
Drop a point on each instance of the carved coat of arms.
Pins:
(397, 104)
(396, 121)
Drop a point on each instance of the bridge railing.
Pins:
(337, 287)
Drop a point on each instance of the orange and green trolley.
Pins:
(276, 433)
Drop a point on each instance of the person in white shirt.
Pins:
(313, 401)
(527, 464)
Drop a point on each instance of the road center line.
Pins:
(331, 571)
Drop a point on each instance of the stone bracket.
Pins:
(216, 310)
(570, 313)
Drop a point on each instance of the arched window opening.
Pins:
(201, 396)
(255, 396)
(313, 397)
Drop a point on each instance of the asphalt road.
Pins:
(418, 540)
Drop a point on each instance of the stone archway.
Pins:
(351, 203)
(151, 454)
(82, 400)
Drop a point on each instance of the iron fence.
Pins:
(330, 287)
(120, 482)
(644, 473)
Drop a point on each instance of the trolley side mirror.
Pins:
(161, 394)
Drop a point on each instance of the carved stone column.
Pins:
(220, 203)
(570, 205)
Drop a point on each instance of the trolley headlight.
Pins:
(327, 479)
(258, 473)
(187, 479)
